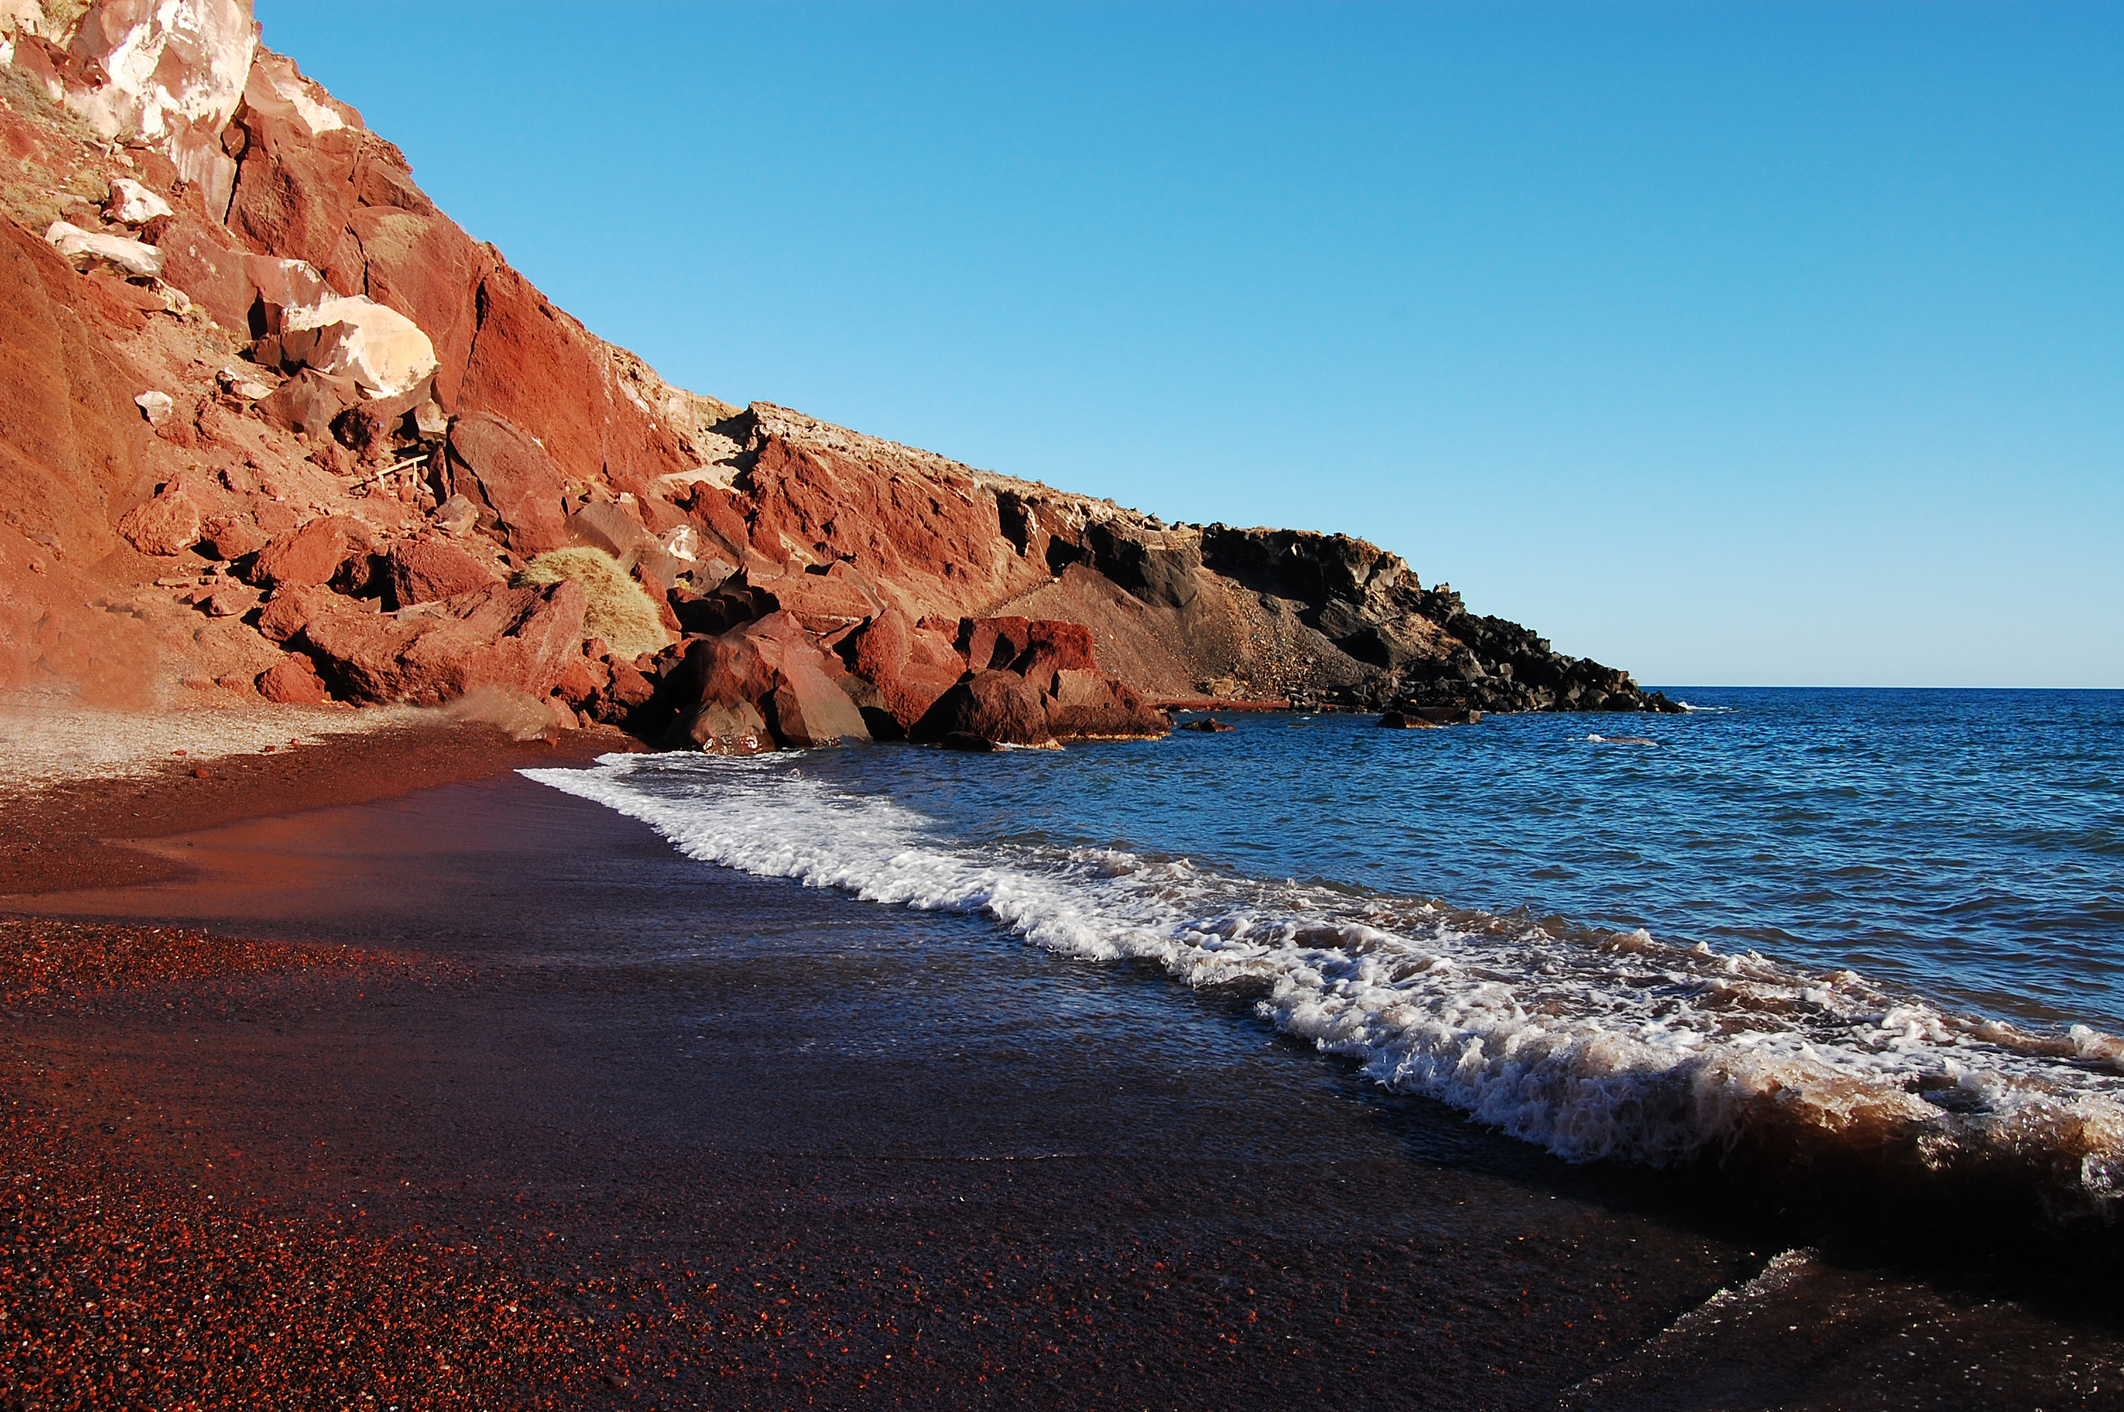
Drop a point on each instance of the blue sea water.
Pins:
(1898, 912)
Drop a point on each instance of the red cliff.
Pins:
(273, 424)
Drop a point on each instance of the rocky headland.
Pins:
(275, 428)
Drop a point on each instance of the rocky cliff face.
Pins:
(272, 424)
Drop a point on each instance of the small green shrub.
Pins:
(620, 610)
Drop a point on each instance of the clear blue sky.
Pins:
(1763, 343)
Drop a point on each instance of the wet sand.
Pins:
(505, 1104)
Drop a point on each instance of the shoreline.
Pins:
(72, 832)
(502, 1104)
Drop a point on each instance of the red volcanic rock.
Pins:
(720, 727)
(309, 401)
(771, 671)
(167, 524)
(294, 187)
(71, 436)
(428, 269)
(731, 605)
(197, 259)
(541, 370)
(520, 639)
(429, 569)
(126, 306)
(808, 708)
(386, 179)
(293, 681)
(498, 464)
(628, 689)
(994, 705)
(994, 643)
(1089, 705)
(826, 602)
(332, 550)
(231, 537)
(910, 666)
(1054, 647)
(581, 682)
(291, 609)
(1034, 682)
(934, 537)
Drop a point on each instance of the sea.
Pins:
(1887, 923)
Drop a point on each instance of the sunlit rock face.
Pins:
(156, 67)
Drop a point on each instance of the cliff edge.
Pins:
(274, 426)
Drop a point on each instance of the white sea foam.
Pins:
(1594, 1045)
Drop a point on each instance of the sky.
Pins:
(1732, 344)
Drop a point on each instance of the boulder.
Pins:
(292, 609)
(827, 598)
(581, 682)
(380, 349)
(626, 539)
(230, 600)
(333, 550)
(1208, 725)
(498, 463)
(293, 681)
(1404, 720)
(993, 643)
(228, 537)
(165, 525)
(728, 728)
(427, 570)
(121, 303)
(133, 204)
(910, 666)
(734, 602)
(309, 402)
(83, 248)
(995, 705)
(1086, 704)
(519, 639)
(627, 689)
(808, 709)
(772, 671)
(1052, 648)
(279, 285)
(455, 515)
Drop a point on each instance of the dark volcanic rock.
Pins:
(994, 705)
(1034, 682)
(764, 684)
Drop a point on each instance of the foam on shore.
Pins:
(1593, 1045)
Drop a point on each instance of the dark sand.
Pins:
(509, 1105)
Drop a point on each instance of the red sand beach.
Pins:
(440, 1089)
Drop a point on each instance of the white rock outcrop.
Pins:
(134, 204)
(165, 65)
(319, 110)
(86, 247)
(382, 350)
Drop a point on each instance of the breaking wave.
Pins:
(1591, 1044)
